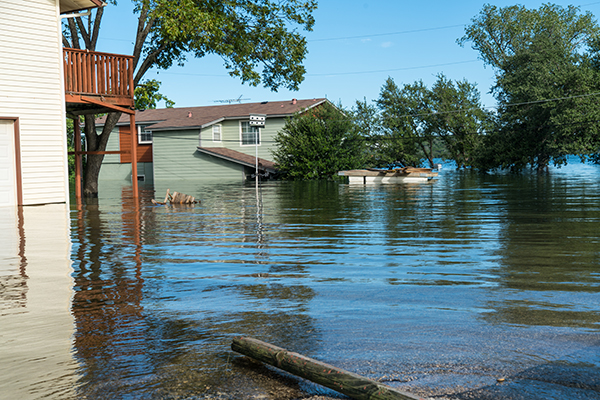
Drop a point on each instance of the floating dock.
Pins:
(397, 175)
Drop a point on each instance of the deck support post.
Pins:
(134, 173)
(77, 143)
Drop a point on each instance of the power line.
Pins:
(462, 110)
(394, 69)
(385, 34)
(341, 73)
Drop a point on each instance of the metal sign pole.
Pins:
(257, 121)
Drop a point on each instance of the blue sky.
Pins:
(354, 46)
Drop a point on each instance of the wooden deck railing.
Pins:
(104, 76)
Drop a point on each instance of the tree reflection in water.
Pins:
(437, 288)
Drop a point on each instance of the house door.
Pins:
(8, 192)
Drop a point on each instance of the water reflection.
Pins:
(13, 273)
(437, 288)
(36, 326)
(107, 302)
(550, 247)
(160, 292)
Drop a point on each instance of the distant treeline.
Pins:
(547, 87)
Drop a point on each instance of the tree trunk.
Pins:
(96, 142)
(542, 163)
(92, 171)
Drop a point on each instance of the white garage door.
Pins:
(8, 195)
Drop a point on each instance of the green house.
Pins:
(212, 143)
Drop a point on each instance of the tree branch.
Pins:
(147, 64)
(144, 27)
(74, 34)
(96, 29)
(84, 34)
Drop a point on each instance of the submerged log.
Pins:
(345, 382)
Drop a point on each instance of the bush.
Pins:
(317, 143)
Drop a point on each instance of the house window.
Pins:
(144, 136)
(216, 129)
(250, 134)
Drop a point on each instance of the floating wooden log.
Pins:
(345, 382)
(176, 198)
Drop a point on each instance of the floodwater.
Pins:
(440, 289)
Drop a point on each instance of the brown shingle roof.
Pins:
(239, 158)
(195, 117)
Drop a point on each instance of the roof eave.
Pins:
(79, 5)
(233, 160)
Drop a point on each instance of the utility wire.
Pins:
(462, 110)
(392, 70)
(385, 34)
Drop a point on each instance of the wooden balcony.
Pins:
(97, 82)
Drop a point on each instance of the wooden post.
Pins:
(134, 173)
(77, 143)
(345, 382)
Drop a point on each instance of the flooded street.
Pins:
(440, 289)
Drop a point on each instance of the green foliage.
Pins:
(71, 147)
(367, 122)
(457, 118)
(500, 33)
(317, 143)
(546, 82)
(405, 137)
(412, 123)
(147, 96)
(257, 39)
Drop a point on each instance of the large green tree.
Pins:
(546, 84)
(259, 41)
(317, 143)
(457, 118)
(404, 111)
(413, 123)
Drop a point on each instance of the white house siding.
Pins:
(8, 192)
(31, 89)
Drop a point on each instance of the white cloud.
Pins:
(387, 44)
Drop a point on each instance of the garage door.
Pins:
(8, 195)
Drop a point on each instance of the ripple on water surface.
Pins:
(440, 289)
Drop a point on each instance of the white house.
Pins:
(33, 100)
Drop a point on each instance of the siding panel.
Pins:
(175, 158)
(31, 89)
(144, 151)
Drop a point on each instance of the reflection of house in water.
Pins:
(36, 326)
(146, 312)
(13, 274)
(108, 292)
